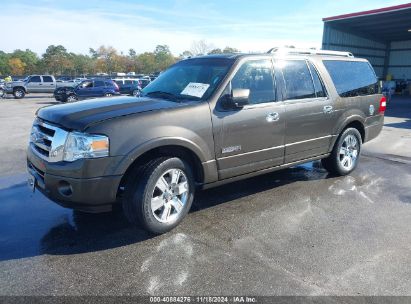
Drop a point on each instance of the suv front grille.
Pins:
(48, 141)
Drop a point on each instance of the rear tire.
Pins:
(159, 194)
(346, 153)
(2, 93)
(136, 93)
(19, 93)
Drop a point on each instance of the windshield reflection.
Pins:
(190, 79)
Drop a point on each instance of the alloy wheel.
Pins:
(349, 152)
(169, 196)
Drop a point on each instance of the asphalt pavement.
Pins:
(298, 231)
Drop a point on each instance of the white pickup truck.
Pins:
(33, 84)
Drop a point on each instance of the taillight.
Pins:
(383, 104)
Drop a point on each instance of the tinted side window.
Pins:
(318, 84)
(99, 83)
(35, 79)
(47, 79)
(119, 82)
(86, 84)
(128, 82)
(352, 78)
(298, 81)
(257, 76)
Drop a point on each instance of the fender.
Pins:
(20, 87)
(348, 120)
(343, 122)
(157, 143)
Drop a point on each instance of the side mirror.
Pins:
(239, 97)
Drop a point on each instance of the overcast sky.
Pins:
(252, 25)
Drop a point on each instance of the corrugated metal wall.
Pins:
(374, 51)
(400, 60)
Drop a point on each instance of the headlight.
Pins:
(80, 145)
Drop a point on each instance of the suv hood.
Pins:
(16, 83)
(79, 115)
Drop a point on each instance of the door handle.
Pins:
(327, 109)
(271, 117)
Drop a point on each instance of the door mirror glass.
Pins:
(240, 97)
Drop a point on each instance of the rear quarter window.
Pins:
(352, 78)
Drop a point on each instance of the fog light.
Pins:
(65, 188)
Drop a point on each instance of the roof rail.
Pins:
(293, 51)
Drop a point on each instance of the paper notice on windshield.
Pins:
(195, 89)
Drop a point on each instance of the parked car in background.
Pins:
(144, 81)
(87, 89)
(33, 84)
(129, 86)
(63, 78)
(3, 91)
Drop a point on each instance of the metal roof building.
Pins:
(383, 36)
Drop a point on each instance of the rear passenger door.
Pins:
(99, 88)
(309, 111)
(48, 84)
(85, 89)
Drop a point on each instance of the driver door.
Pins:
(251, 138)
(85, 89)
(34, 84)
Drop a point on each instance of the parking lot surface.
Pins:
(294, 232)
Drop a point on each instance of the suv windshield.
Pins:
(190, 79)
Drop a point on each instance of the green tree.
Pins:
(4, 64)
(82, 64)
(108, 60)
(230, 50)
(215, 51)
(132, 53)
(17, 66)
(146, 63)
(185, 54)
(93, 53)
(29, 58)
(163, 57)
(56, 60)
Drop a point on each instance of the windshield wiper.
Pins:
(163, 94)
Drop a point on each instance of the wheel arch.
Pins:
(20, 87)
(144, 154)
(354, 121)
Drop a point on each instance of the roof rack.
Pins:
(293, 51)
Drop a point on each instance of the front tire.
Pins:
(136, 93)
(71, 98)
(19, 93)
(159, 195)
(346, 153)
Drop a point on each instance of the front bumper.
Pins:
(60, 96)
(76, 185)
